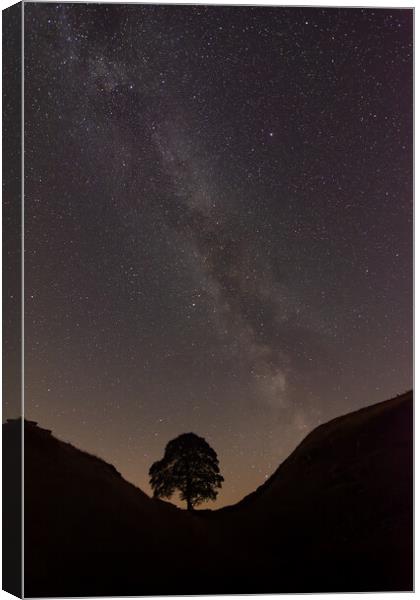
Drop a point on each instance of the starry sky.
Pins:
(218, 226)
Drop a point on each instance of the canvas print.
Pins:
(209, 299)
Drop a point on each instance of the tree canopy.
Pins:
(189, 465)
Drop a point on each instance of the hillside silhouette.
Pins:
(336, 516)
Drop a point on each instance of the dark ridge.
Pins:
(39, 435)
(322, 432)
(336, 516)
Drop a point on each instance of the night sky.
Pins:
(218, 226)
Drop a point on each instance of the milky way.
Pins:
(218, 210)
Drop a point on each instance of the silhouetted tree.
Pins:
(189, 465)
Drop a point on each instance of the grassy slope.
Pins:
(335, 516)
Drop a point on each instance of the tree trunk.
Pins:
(189, 503)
